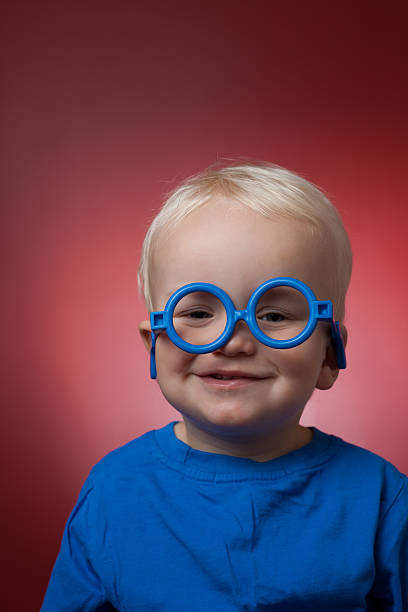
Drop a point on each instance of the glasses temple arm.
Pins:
(153, 371)
(338, 345)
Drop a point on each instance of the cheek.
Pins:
(172, 365)
(170, 360)
(303, 361)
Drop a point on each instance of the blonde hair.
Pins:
(267, 189)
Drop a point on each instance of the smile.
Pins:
(217, 381)
(219, 377)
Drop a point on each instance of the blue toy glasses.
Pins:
(281, 313)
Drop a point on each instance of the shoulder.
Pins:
(366, 472)
(125, 474)
(141, 453)
(123, 469)
(360, 456)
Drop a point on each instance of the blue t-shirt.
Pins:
(160, 526)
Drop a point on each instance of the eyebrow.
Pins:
(178, 286)
(170, 293)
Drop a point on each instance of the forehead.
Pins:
(236, 248)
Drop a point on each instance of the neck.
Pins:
(258, 447)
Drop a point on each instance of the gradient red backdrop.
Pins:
(105, 107)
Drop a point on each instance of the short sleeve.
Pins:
(390, 591)
(75, 583)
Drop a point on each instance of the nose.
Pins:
(241, 341)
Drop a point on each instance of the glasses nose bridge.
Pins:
(235, 317)
(241, 315)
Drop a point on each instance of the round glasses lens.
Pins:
(282, 313)
(199, 318)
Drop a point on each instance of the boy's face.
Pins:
(238, 249)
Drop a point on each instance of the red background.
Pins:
(106, 106)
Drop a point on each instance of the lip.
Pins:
(242, 380)
(235, 383)
(237, 373)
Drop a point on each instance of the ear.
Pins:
(145, 333)
(330, 371)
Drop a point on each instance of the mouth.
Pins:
(221, 377)
(223, 381)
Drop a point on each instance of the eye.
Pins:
(273, 317)
(199, 314)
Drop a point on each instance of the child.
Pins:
(238, 506)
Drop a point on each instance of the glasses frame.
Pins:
(319, 310)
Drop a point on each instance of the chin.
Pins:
(232, 420)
